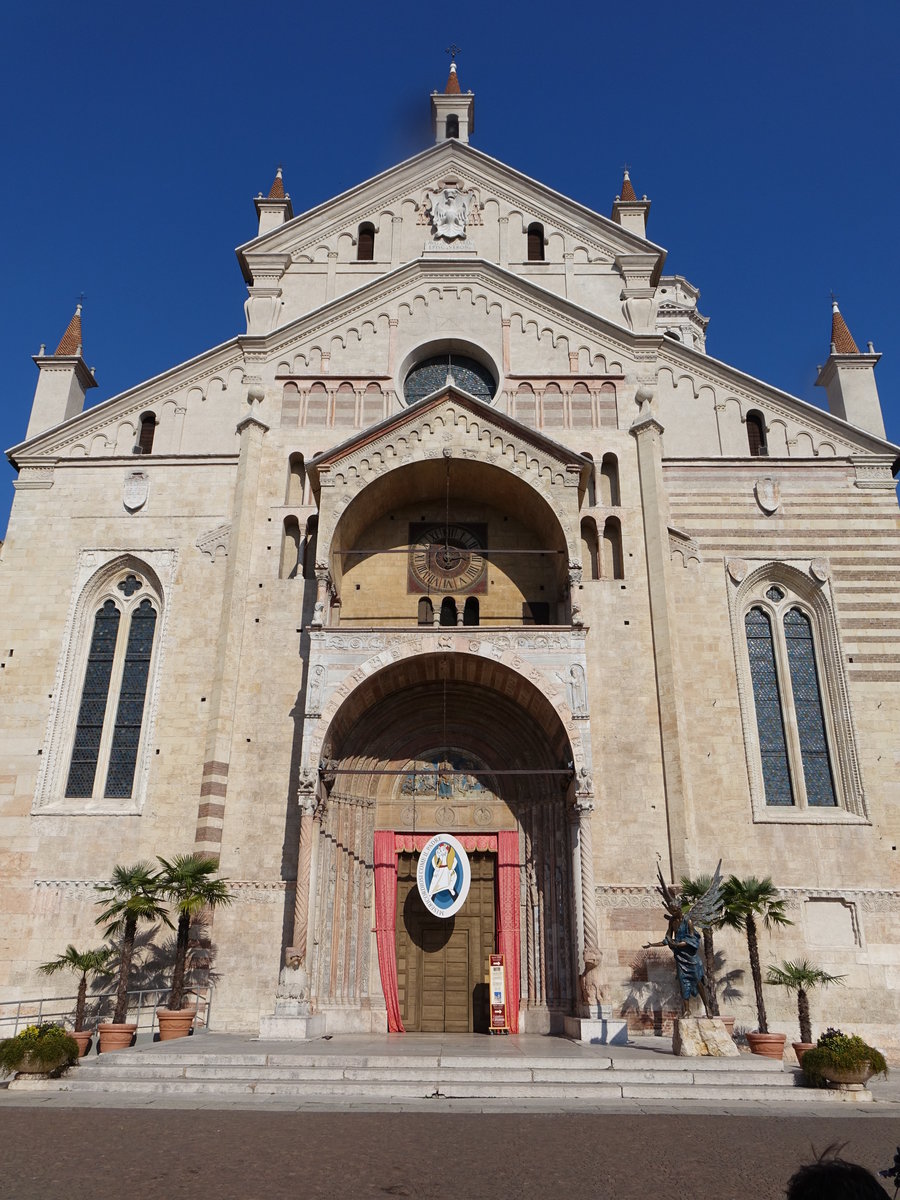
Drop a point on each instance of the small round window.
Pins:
(430, 376)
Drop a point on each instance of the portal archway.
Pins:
(458, 743)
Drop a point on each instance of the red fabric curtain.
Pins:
(508, 880)
(385, 921)
(411, 842)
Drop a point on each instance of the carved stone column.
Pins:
(323, 589)
(574, 587)
(584, 807)
(307, 799)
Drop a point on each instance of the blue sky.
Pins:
(135, 137)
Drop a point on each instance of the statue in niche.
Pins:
(576, 690)
(685, 934)
(448, 214)
(317, 689)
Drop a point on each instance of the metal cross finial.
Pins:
(626, 166)
(81, 298)
(453, 50)
(833, 297)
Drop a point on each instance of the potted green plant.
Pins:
(130, 898)
(801, 977)
(40, 1050)
(187, 883)
(87, 963)
(747, 901)
(842, 1060)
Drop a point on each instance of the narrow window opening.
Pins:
(535, 612)
(94, 696)
(296, 480)
(448, 611)
(470, 611)
(807, 697)
(148, 429)
(291, 544)
(613, 563)
(310, 542)
(756, 435)
(609, 481)
(132, 694)
(591, 495)
(769, 715)
(426, 611)
(365, 242)
(452, 125)
(590, 551)
(535, 242)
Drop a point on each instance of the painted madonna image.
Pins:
(685, 934)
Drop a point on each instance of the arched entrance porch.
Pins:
(443, 742)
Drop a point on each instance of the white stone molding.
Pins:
(96, 574)
(683, 544)
(215, 542)
(34, 477)
(814, 597)
(873, 474)
(471, 435)
(352, 658)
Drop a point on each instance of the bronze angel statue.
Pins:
(685, 934)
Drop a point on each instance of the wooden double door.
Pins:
(442, 963)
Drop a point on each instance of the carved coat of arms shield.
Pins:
(136, 490)
(768, 494)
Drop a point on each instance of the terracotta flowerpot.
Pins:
(174, 1023)
(83, 1038)
(116, 1037)
(728, 1022)
(800, 1048)
(767, 1045)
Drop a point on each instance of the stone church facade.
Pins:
(466, 533)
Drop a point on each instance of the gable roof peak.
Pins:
(841, 338)
(70, 342)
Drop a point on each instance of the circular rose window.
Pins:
(430, 376)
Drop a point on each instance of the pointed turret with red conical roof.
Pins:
(452, 111)
(63, 380)
(628, 211)
(276, 208)
(848, 378)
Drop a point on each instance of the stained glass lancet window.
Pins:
(91, 713)
(807, 698)
(130, 711)
(769, 715)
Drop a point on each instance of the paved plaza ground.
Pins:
(96, 1153)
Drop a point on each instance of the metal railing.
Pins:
(16, 1015)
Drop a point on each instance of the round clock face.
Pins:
(447, 559)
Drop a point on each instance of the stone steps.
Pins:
(591, 1076)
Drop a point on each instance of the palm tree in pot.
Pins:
(746, 902)
(86, 963)
(801, 977)
(187, 882)
(132, 897)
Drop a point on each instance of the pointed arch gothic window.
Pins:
(797, 729)
(110, 717)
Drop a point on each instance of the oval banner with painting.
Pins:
(443, 875)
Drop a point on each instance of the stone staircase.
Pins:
(340, 1072)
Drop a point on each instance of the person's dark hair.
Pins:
(833, 1178)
